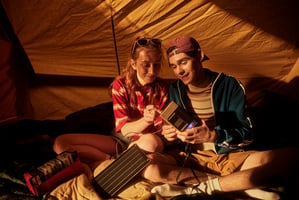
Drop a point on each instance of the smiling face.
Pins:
(186, 68)
(147, 65)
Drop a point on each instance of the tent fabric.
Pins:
(77, 47)
(256, 41)
(7, 95)
(13, 86)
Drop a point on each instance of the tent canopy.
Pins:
(76, 47)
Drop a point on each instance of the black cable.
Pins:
(188, 149)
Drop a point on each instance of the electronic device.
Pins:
(178, 117)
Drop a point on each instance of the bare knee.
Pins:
(59, 145)
(150, 143)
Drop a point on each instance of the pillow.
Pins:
(96, 119)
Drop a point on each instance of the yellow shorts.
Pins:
(209, 161)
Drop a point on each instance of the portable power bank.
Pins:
(178, 117)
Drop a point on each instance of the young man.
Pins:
(219, 162)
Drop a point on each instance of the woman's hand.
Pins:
(150, 113)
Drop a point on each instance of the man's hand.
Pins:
(198, 134)
(169, 132)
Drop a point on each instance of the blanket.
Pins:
(81, 188)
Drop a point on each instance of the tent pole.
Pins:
(114, 39)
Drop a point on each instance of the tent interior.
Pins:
(59, 57)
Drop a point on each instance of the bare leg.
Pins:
(90, 155)
(150, 143)
(164, 169)
(91, 148)
(262, 168)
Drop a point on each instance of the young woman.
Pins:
(138, 95)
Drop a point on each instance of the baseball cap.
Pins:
(184, 44)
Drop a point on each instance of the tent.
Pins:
(67, 52)
(58, 57)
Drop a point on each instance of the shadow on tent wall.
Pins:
(276, 17)
(275, 116)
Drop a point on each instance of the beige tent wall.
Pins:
(256, 41)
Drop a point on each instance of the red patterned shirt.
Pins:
(126, 110)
